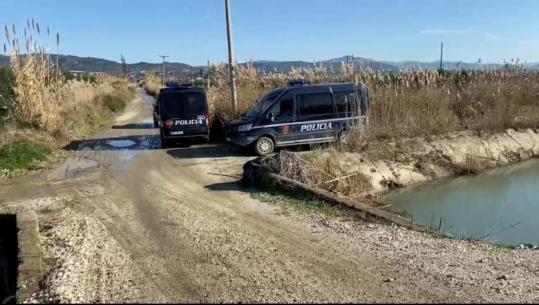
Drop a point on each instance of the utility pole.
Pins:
(124, 66)
(441, 56)
(164, 71)
(208, 76)
(231, 59)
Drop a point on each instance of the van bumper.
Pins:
(240, 141)
(186, 137)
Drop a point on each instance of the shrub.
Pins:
(21, 155)
(60, 104)
(114, 102)
(153, 84)
(7, 93)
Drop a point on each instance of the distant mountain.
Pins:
(92, 64)
(4, 61)
(280, 66)
(333, 64)
(448, 65)
(364, 63)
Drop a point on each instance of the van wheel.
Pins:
(264, 146)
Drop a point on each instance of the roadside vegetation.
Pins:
(408, 105)
(42, 108)
(152, 84)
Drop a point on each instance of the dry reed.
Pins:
(45, 100)
(408, 103)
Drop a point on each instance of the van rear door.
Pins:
(184, 113)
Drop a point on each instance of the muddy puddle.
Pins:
(500, 206)
(142, 142)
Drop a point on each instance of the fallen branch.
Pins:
(340, 178)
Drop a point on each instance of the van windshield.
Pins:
(264, 103)
(183, 104)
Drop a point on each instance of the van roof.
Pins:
(179, 88)
(334, 86)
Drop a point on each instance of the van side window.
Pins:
(317, 106)
(344, 102)
(283, 111)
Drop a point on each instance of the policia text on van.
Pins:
(300, 114)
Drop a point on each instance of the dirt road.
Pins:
(122, 220)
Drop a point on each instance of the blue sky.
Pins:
(193, 31)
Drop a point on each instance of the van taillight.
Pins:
(169, 123)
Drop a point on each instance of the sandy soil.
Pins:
(124, 221)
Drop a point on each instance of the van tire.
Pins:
(264, 146)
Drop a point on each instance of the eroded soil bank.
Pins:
(383, 166)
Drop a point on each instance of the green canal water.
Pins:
(500, 206)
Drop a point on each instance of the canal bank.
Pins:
(385, 166)
(383, 171)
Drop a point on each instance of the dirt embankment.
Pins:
(386, 165)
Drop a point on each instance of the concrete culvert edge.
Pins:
(9, 262)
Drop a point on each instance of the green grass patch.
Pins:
(21, 155)
(304, 204)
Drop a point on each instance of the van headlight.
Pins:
(246, 127)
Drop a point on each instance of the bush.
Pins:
(114, 102)
(7, 93)
(67, 76)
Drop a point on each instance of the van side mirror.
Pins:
(271, 117)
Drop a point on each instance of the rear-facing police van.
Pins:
(182, 114)
(300, 114)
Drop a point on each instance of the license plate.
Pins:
(174, 133)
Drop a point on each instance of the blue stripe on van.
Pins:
(309, 122)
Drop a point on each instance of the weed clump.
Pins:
(22, 155)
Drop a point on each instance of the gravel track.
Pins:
(133, 223)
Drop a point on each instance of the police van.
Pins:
(300, 114)
(182, 114)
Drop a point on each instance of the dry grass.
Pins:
(326, 170)
(409, 103)
(45, 100)
(153, 83)
(251, 84)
